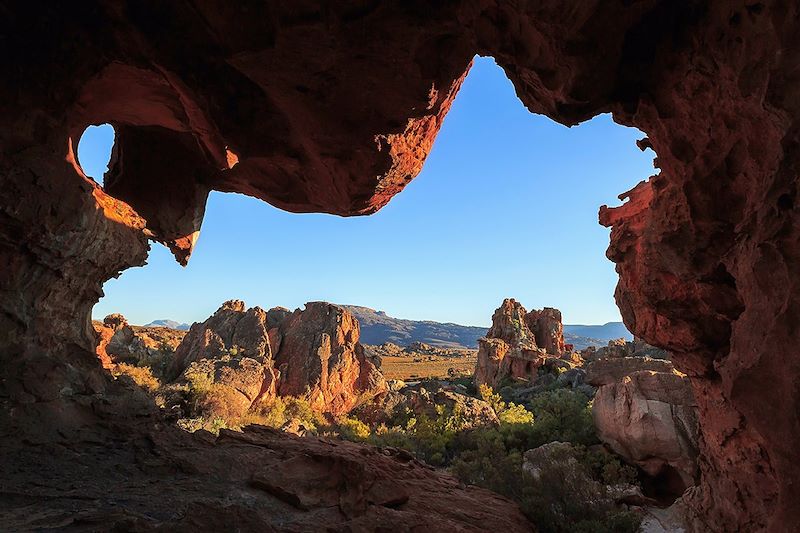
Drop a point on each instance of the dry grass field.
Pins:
(416, 366)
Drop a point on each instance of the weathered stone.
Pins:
(321, 360)
(334, 109)
(645, 411)
(511, 347)
(547, 328)
(318, 358)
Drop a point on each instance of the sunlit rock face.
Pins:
(518, 344)
(313, 354)
(645, 411)
(334, 109)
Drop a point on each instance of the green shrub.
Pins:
(142, 376)
(608, 468)
(353, 429)
(562, 415)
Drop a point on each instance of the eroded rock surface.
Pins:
(511, 348)
(333, 107)
(623, 348)
(313, 354)
(163, 479)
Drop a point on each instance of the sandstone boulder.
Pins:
(124, 343)
(103, 335)
(472, 412)
(231, 330)
(645, 411)
(623, 348)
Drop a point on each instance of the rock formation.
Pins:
(231, 330)
(319, 358)
(313, 354)
(103, 334)
(119, 342)
(623, 348)
(237, 480)
(548, 329)
(333, 107)
(511, 348)
(429, 398)
(645, 411)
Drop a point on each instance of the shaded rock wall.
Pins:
(333, 107)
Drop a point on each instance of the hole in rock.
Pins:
(665, 487)
(94, 151)
(506, 206)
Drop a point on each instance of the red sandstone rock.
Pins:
(103, 335)
(258, 480)
(231, 330)
(511, 347)
(321, 360)
(548, 329)
(333, 108)
(317, 356)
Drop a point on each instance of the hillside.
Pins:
(377, 327)
(167, 323)
(607, 331)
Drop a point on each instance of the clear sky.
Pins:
(506, 206)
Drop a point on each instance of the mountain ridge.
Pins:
(378, 327)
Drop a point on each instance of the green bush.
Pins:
(142, 376)
(565, 498)
(353, 429)
(568, 496)
(562, 415)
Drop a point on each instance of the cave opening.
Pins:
(711, 84)
(494, 168)
(665, 487)
(95, 147)
(541, 175)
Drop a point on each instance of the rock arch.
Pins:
(333, 107)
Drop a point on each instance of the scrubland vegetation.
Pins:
(568, 494)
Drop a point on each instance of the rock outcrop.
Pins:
(258, 480)
(623, 348)
(124, 343)
(313, 354)
(119, 342)
(432, 399)
(231, 330)
(511, 348)
(333, 107)
(319, 358)
(548, 329)
(645, 411)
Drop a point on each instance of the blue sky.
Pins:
(506, 206)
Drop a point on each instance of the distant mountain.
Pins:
(377, 327)
(606, 332)
(167, 323)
